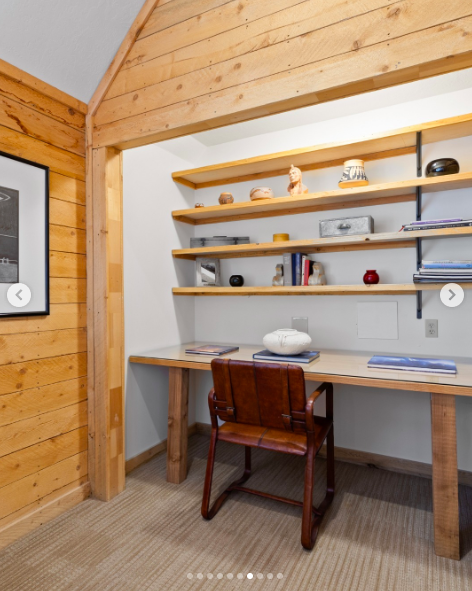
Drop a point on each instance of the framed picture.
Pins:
(24, 237)
(208, 272)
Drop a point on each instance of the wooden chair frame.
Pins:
(311, 516)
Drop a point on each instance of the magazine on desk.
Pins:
(414, 364)
(215, 350)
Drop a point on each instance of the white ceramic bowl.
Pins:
(286, 341)
(261, 193)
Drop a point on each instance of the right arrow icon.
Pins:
(452, 295)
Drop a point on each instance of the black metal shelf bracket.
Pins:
(419, 194)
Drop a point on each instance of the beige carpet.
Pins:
(376, 536)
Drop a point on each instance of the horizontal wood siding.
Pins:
(43, 360)
(209, 63)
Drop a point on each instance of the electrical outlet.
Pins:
(431, 329)
(300, 323)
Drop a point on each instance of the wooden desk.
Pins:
(342, 367)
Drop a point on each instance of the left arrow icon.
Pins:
(19, 295)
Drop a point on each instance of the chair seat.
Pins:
(274, 439)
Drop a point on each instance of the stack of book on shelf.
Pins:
(413, 364)
(297, 268)
(435, 224)
(444, 272)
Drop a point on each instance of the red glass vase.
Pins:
(371, 277)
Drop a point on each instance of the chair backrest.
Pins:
(271, 395)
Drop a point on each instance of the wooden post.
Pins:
(445, 477)
(178, 425)
(106, 393)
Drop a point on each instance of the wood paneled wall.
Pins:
(43, 359)
(199, 64)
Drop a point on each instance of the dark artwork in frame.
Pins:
(9, 235)
(24, 237)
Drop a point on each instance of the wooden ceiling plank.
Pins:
(341, 72)
(41, 87)
(121, 55)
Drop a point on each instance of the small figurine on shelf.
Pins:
(296, 187)
(317, 276)
(278, 278)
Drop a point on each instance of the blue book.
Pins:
(297, 268)
(440, 366)
(447, 264)
(305, 357)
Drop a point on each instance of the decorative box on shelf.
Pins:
(346, 226)
(218, 241)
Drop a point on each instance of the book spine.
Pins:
(447, 265)
(287, 261)
(437, 226)
(304, 257)
(298, 268)
(307, 271)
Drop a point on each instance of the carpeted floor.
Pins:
(377, 535)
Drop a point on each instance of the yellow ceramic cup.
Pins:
(281, 237)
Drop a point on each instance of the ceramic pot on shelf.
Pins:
(225, 198)
(261, 193)
(286, 341)
(371, 277)
(353, 174)
(236, 280)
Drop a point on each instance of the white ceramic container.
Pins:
(286, 341)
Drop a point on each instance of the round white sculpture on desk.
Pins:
(286, 341)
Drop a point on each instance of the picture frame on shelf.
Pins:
(208, 272)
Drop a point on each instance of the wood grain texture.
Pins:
(16, 495)
(177, 436)
(40, 102)
(43, 398)
(37, 401)
(63, 213)
(106, 462)
(41, 127)
(62, 316)
(318, 290)
(25, 80)
(241, 60)
(66, 188)
(445, 476)
(18, 465)
(16, 348)
(43, 510)
(27, 432)
(393, 21)
(66, 239)
(121, 55)
(58, 160)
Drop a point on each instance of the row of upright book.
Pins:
(297, 268)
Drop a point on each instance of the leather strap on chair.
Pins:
(286, 415)
(230, 410)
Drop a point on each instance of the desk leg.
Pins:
(178, 425)
(445, 478)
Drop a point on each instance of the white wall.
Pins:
(153, 318)
(381, 421)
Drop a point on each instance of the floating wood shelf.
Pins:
(385, 145)
(394, 192)
(319, 290)
(341, 244)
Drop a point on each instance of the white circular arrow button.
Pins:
(19, 295)
(452, 295)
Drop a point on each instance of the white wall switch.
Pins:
(431, 329)
(377, 320)
(300, 323)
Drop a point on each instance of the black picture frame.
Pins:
(47, 307)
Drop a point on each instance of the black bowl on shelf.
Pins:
(442, 166)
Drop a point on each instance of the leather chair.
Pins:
(264, 406)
